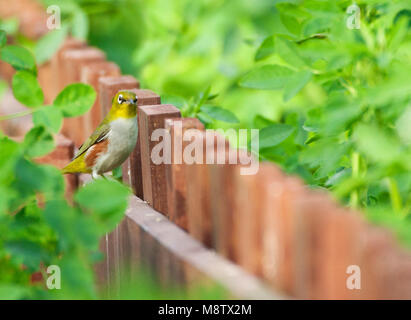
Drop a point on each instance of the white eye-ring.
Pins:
(120, 98)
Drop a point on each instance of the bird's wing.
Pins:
(98, 135)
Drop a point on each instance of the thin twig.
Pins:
(16, 115)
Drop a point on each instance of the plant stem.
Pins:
(20, 114)
(355, 164)
(395, 196)
(16, 115)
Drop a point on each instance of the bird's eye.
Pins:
(135, 100)
(120, 98)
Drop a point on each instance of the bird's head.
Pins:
(124, 105)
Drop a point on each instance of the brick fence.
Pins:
(254, 235)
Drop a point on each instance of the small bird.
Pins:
(113, 140)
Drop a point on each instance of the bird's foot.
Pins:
(94, 175)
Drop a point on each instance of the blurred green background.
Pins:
(328, 88)
(332, 101)
(179, 48)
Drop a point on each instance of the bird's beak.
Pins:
(130, 101)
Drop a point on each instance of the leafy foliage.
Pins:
(49, 44)
(26, 89)
(344, 92)
(75, 99)
(38, 227)
(19, 57)
(332, 103)
(348, 90)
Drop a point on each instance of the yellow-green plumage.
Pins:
(112, 141)
(78, 165)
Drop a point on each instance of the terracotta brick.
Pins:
(57, 65)
(199, 199)
(394, 273)
(248, 223)
(378, 246)
(46, 80)
(271, 180)
(60, 157)
(223, 203)
(150, 118)
(6, 71)
(74, 60)
(50, 73)
(90, 74)
(313, 214)
(145, 97)
(31, 14)
(342, 248)
(330, 239)
(109, 86)
(279, 260)
(101, 268)
(175, 174)
(198, 194)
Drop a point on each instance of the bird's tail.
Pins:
(66, 170)
(78, 165)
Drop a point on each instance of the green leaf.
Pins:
(78, 277)
(316, 25)
(266, 49)
(28, 252)
(48, 45)
(325, 155)
(203, 98)
(340, 114)
(403, 126)
(103, 196)
(26, 89)
(38, 142)
(72, 226)
(80, 25)
(61, 218)
(10, 151)
(19, 57)
(204, 118)
(177, 101)
(106, 198)
(117, 173)
(267, 77)
(377, 144)
(50, 118)
(219, 114)
(291, 24)
(3, 38)
(398, 33)
(10, 291)
(54, 181)
(75, 99)
(3, 88)
(10, 25)
(339, 176)
(30, 177)
(261, 122)
(274, 135)
(296, 83)
(288, 51)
